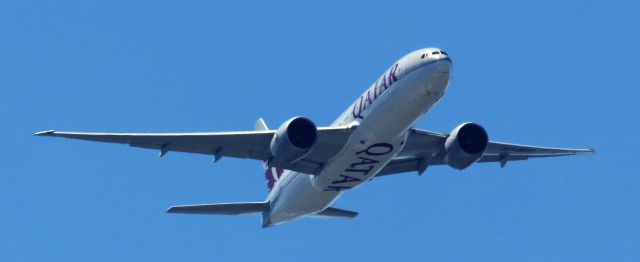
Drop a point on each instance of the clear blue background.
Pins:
(550, 73)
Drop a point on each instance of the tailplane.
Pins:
(242, 208)
(248, 208)
(332, 212)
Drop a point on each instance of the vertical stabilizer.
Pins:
(270, 174)
(260, 125)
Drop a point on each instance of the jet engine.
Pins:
(465, 145)
(293, 140)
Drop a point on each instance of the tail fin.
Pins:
(270, 174)
(260, 125)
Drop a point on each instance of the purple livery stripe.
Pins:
(272, 175)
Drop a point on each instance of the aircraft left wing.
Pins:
(244, 144)
(425, 148)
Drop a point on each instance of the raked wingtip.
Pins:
(589, 151)
(45, 133)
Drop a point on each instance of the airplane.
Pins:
(308, 167)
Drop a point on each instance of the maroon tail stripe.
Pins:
(272, 175)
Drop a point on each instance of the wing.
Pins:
(245, 144)
(424, 148)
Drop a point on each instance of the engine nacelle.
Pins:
(465, 145)
(293, 140)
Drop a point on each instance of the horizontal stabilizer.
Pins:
(331, 212)
(221, 209)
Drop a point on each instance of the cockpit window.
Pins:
(444, 53)
(423, 55)
(435, 53)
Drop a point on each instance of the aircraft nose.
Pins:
(444, 56)
(444, 64)
(441, 59)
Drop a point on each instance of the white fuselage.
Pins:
(383, 115)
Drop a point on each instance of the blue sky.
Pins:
(550, 73)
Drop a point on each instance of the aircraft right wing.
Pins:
(244, 144)
(425, 148)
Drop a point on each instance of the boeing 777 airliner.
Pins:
(307, 167)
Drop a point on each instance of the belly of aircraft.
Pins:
(380, 136)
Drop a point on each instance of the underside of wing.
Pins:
(246, 144)
(243, 144)
(424, 148)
